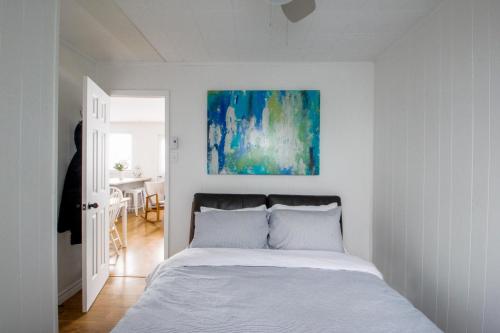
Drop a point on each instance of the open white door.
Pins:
(95, 196)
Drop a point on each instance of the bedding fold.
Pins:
(268, 258)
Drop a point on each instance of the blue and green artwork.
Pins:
(263, 132)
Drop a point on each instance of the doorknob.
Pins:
(93, 205)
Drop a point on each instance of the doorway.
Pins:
(120, 271)
(138, 169)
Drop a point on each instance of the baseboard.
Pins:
(69, 291)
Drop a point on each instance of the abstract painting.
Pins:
(263, 132)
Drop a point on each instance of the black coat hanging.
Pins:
(70, 212)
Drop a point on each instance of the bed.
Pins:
(268, 290)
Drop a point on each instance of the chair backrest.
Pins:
(115, 201)
(155, 188)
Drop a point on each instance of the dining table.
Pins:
(128, 182)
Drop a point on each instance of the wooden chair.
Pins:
(115, 200)
(155, 198)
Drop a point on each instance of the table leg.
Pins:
(124, 224)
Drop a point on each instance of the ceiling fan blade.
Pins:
(296, 10)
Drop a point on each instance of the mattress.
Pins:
(240, 290)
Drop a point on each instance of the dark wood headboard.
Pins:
(237, 201)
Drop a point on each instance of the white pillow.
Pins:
(320, 208)
(230, 229)
(305, 230)
(250, 209)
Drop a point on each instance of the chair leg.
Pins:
(136, 203)
(115, 246)
(157, 206)
(118, 237)
(147, 210)
(143, 202)
(115, 236)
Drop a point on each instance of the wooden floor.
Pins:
(124, 287)
(118, 295)
(144, 250)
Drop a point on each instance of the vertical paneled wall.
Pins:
(28, 159)
(436, 233)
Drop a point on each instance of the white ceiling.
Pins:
(100, 30)
(247, 30)
(137, 109)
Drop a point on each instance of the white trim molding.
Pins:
(69, 291)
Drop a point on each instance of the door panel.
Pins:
(95, 217)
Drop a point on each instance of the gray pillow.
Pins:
(302, 230)
(231, 229)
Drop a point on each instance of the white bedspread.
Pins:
(270, 291)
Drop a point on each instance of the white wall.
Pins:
(28, 88)
(346, 134)
(72, 68)
(145, 145)
(436, 231)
